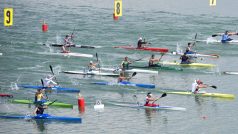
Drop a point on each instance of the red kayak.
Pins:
(154, 49)
(6, 95)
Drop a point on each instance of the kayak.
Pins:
(197, 55)
(231, 73)
(212, 40)
(57, 88)
(69, 54)
(130, 70)
(125, 83)
(220, 95)
(0, 54)
(43, 117)
(140, 106)
(187, 65)
(77, 46)
(91, 73)
(56, 104)
(6, 95)
(159, 68)
(154, 49)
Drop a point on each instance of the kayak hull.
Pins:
(77, 46)
(91, 73)
(210, 40)
(56, 104)
(231, 73)
(197, 55)
(69, 54)
(6, 95)
(220, 95)
(166, 68)
(148, 107)
(130, 70)
(43, 117)
(124, 83)
(56, 88)
(188, 65)
(154, 49)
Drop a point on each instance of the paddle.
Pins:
(98, 62)
(134, 74)
(52, 102)
(214, 35)
(42, 83)
(51, 69)
(213, 86)
(163, 95)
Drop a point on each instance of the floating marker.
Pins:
(98, 105)
(81, 103)
(44, 27)
(213, 2)
(8, 17)
(118, 8)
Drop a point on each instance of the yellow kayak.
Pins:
(187, 65)
(220, 95)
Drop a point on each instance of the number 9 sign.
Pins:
(8, 16)
(118, 7)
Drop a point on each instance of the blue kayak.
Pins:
(43, 117)
(57, 88)
(126, 83)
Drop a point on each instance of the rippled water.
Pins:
(163, 23)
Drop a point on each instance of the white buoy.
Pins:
(98, 105)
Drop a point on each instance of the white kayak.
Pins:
(197, 55)
(69, 54)
(0, 54)
(91, 73)
(231, 72)
(140, 106)
(130, 70)
(213, 40)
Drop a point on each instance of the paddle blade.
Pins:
(51, 69)
(214, 35)
(133, 74)
(215, 87)
(97, 56)
(195, 36)
(163, 95)
(42, 82)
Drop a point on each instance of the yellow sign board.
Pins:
(118, 7)
(213, 2)
(8, 16)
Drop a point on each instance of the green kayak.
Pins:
(56, 104)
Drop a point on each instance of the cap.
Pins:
(149, 94)
(140, 38)
(91, 61)
(199, 81)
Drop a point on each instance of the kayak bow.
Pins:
(91, 73)
(187, 65)
(57, 88)
(77, 46)
(154, 49)
(126, 83)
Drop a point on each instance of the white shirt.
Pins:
(194, 86)
(49, 82)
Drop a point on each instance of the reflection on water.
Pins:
(153, 114)
(40, 125)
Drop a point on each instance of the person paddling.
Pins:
(48, 81)
(153, 60)
(67, 43)
(197, 85)
(226, 36)
(125, 64)
(122, 77)
(39, 96)
(92, 66)
(40, 108)
(189, 48)
(150, 100)
(185, 59)
(140, 43)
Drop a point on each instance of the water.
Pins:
(163, 23)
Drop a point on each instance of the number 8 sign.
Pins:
(118, 7)
(8, 16)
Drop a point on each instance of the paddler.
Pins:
(48, 81)
(226, 36)
(125, 64)
(153, 60)
(197, 85)
(185, 59)
(39, 96)
(189, 48)
(92, 66)
(140, 43)
(150, 100)
(67, 43)
(40, 108)
(122, 77)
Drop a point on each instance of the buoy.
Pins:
(115, 17)
(81, 103)
(98, 105)
(44, 27)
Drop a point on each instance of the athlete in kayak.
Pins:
(150, 100)
(92, 66)
(39, 97)
(40, 108)
(185, 59)
(197, 85)
(67, 43)
(125, 64)
(153, 60)
(48, 81)
(122, 77)
(189, 48)
(140, 43)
